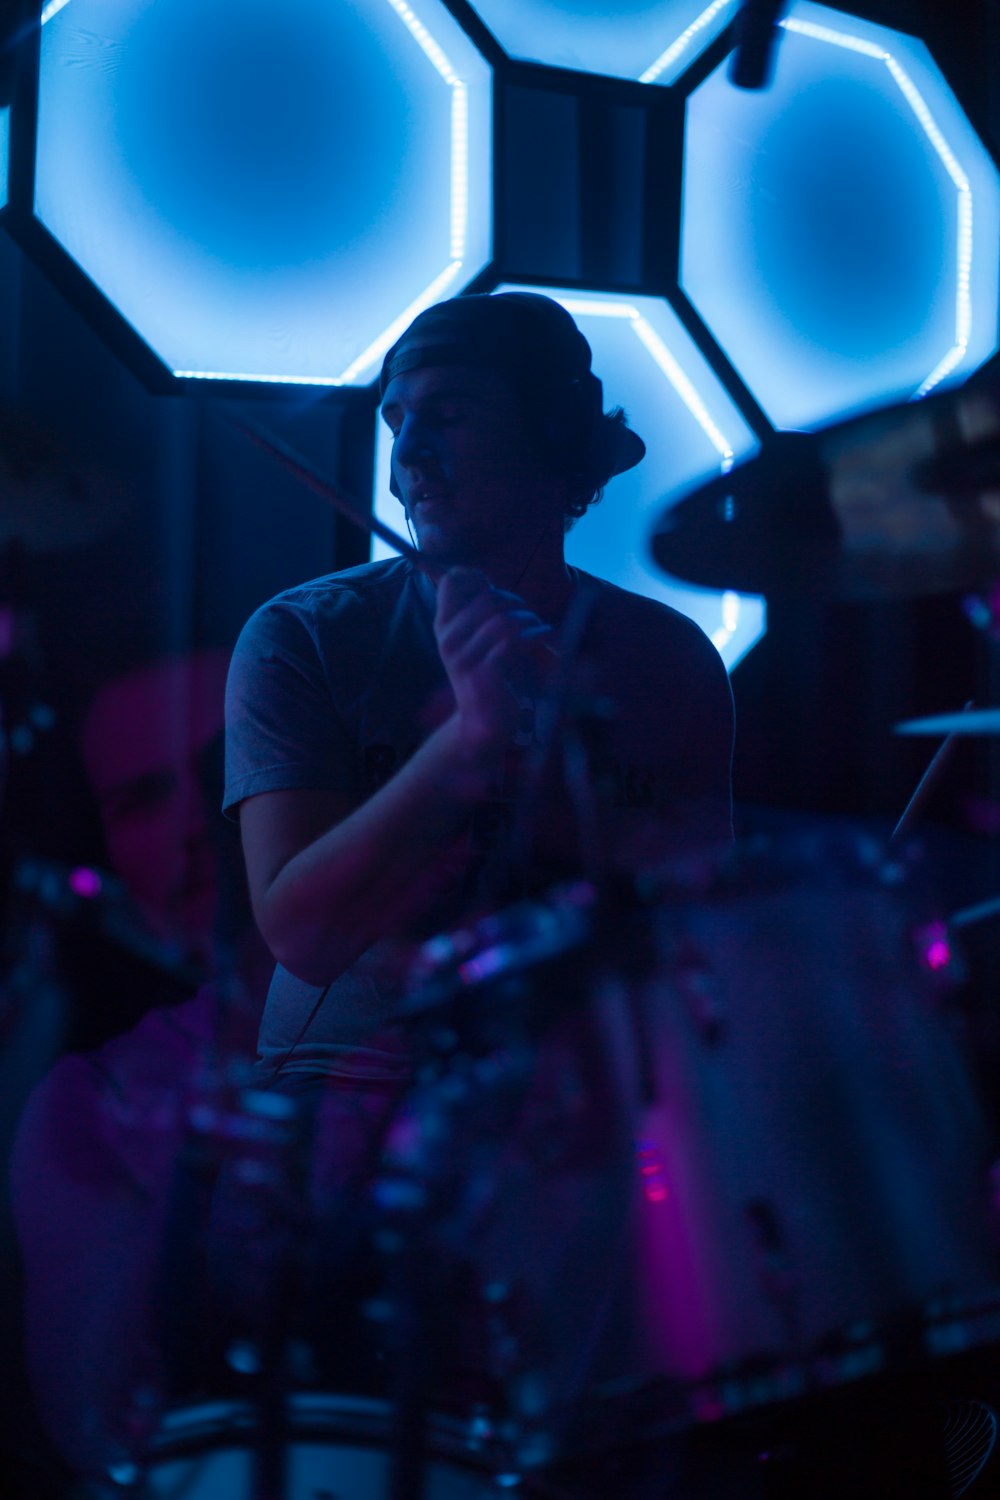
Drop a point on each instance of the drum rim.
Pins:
(193, 1427)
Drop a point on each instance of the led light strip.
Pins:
(731, 604)
(459, 123)
(930, 127)
(52, 8)
(680, 46)
(425, 41)
(590, 307)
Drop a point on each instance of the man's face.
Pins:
(145, 743)
(467, 466)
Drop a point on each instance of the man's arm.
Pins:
(327, 881)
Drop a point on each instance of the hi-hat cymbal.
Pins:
(969, 721)
(900, 502)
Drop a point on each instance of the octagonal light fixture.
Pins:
(650, 365)
(841, 229)
(266, 193)
(651, 41)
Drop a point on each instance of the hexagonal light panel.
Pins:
(841, 229)
(266, 192)
(652, 41)
(650, 366)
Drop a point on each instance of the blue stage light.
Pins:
(650, 365)
(653, 41)
(266, 193)
(4, 154)
(841, 229)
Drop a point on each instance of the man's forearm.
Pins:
(379, 868)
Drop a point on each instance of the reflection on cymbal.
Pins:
(901, 502)
(49, 500)
(969, 721)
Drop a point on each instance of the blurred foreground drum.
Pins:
(337, 1446)
(812, 1159)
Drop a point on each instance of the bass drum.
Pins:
(812, 1157)
(338, 1449)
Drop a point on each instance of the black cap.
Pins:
(529, 338)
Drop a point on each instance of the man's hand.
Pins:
(493, 649)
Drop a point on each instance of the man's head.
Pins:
(147, 741)
(492, 399)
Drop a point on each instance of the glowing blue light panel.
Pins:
(4, 154)
(653, 41)
(651, 367)
(841, 230)
(266, 192)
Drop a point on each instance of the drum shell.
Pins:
(812, 1154)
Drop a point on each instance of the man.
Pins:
(409, 746)
(146, 738)
(101, 1141)
(375, 717)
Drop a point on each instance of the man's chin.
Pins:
(449, 548)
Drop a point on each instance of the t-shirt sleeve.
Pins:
(283, 729)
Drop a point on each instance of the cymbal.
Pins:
(970, 721)
(900, 502)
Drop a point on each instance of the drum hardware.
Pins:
(450, 969)
(776, 1276)
(928, 780)
(252, 1133)
(427, 1185)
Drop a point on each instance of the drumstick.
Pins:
(928, 781)
(310, 476)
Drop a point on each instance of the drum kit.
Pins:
(687, 1194)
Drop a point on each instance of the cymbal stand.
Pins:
(423, 1200)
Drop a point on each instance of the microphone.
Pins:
(752, 64)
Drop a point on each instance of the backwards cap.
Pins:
(530, 339)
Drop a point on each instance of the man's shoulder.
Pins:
(626, 612)
(369, 582)
(368, 593)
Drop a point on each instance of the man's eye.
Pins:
(143, 795)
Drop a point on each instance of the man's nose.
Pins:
(415, 443)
